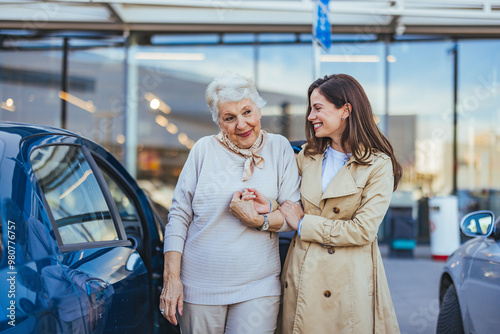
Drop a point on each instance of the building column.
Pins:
(387, 44)
(131, 108)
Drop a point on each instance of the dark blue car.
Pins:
(81, 245)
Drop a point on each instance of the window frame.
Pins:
(115, 217)
(127, 190)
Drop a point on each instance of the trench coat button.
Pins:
(331, 250)
(286, 284)
(336, 210)
(327, 294)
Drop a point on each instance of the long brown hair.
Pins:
(361, 134)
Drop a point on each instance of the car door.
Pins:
(107, 273)
(142, 226)
(39, 296)
(482, 288)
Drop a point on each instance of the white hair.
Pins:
(231, 87)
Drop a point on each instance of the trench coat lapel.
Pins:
(341, 185)
(311, 187)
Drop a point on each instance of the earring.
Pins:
(343, 118)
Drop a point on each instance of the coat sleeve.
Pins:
(289, 179)
(362, 228)
(181, 211)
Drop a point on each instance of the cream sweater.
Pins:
(224, 261)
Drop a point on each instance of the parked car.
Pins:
(81, 244)
(470, 284)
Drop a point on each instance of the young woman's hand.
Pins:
(293, 213)
(260, 202)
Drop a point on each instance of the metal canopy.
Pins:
(410, 17)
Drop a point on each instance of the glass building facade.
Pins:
(142, 97)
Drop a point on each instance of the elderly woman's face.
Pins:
(240, 121)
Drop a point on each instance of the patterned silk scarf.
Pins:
(251, 154)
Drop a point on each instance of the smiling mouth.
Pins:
(317, 125)
(245, 134)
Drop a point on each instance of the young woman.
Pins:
(333, 280)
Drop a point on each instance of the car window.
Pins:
(126, 208)
(2, 149)
(1, 236)
(73, 194)
(160, 223)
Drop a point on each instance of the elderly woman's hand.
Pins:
(172, 295)
(245, 211)
(171, 298)
(293, 213)
(260, 202)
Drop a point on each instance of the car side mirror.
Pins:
(478, 224)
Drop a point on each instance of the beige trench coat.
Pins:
(333, 280)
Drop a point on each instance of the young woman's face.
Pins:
(240, 121)
(326, 118)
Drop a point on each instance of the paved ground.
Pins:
(414, 287)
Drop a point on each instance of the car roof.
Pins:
(26, 130)
(13, 134)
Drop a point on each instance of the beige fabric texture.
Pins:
(334, 280)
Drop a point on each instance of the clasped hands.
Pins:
(248, 206)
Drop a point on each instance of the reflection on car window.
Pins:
(73, 194)
(1, 236)
(125, 206)
(2, 149)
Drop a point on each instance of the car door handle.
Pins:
(99, 294)
(96, 288)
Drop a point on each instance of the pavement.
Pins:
(414, 284)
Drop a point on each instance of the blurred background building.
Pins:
(131, 75)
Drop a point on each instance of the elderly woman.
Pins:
(222, 263)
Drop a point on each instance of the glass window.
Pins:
(421, 117)
(30, 81)
(160, 39)
(306, 38)
(95, 97)
(478, 133)
(276, 38)
(284, 74)
(73, 194)
(238, 38)
(125, 206)
(172, 112)
(365, 62)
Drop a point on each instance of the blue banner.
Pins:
(322, 30)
